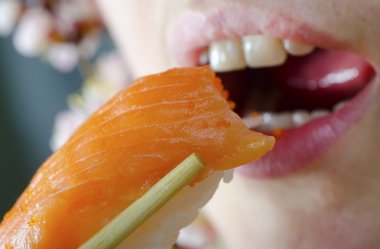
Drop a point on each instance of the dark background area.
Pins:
(31, 94)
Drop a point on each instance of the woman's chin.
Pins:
(328, 205)
(314, 209)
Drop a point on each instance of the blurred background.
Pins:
(31, 95)
(57, 66)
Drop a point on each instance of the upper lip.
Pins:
(194, 31)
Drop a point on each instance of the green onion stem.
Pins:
(139, 211)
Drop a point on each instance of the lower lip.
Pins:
(298, 147)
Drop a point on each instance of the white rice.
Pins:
(161, 230)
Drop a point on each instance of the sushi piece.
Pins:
(122, 150)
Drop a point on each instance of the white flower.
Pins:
(71, 12)
(94, 94)
(9, 10)
(110, 68)
(31, 34)
(63, 56)
(89, 44)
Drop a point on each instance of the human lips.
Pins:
(298, 146)
(195, 31)
(307, 118)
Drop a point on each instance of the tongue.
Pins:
(321, 79)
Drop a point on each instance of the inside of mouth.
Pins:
(302, 89)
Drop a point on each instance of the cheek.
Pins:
(356, 156)
(137, 29)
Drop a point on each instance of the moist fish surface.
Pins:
(123, 149)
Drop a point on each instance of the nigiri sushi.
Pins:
(122, 150)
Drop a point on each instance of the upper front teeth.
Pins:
(227, 55)
(297, 49)
(253, 51)
(263, 51)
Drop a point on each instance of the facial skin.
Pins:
(332, 203)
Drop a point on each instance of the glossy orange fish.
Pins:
(122, 150)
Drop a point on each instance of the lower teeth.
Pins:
(269, 122)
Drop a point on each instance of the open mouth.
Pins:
(280, 85)
(303, 94)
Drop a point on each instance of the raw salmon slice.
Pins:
(122, 150)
